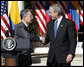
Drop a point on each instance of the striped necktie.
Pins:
(55, 28)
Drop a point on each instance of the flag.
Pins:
(64, 8)
(48, 17)
(5, 25)
(42, 15)
(67, 14)
(81, 12)
(74, 12)
(14, 14)
(70, 11)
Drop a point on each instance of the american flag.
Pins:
(81, 12)
(65, 10)
(40, 16)
(40, 12)
(68, 15)
(5, 25)
(64, 7)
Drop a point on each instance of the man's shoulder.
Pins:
(68, 20)
(19, 24)
(50, 22)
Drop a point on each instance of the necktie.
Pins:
(55, 28)
(28, 28)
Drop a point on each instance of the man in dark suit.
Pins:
(62, 35)
(22, 32)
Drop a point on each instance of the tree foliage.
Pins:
(33, 25)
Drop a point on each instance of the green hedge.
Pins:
(33, 25)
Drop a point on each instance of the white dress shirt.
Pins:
(59, 20)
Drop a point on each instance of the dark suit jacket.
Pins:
(65, 42)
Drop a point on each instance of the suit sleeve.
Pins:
(24, 34)
(47, 39)
(72, 37)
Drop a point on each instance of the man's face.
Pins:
(29, 17)
(52, 13)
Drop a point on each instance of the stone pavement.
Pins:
(40, 60)
(78, 60)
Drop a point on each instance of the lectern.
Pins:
(11, 48)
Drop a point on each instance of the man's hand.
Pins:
(43, 39)
(69, 58)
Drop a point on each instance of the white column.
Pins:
(79, 49)
(9, 4)
(21, 5)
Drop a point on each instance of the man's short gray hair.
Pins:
(23, 13)
(57, 7)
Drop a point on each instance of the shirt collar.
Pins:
(25, 24)
(59, 19)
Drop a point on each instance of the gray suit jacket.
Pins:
(23, 37)
(22, 32)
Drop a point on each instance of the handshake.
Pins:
(42, 38)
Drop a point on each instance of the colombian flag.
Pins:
(74, 12)
(14, 14)
(48, 3)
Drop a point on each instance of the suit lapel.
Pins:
(52, 29)
(24, 25)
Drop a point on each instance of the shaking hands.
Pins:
(42, 38)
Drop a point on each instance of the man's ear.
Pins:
(24, 18)
(57, 13)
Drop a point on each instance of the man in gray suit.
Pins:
(22, 32)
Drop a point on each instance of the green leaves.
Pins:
(33, 25)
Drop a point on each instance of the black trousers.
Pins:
(24, 59)
(58, 64)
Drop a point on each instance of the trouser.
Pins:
(24, 59)
(55, 63)
(58, 64)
